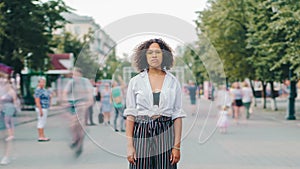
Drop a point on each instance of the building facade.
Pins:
(101, 45)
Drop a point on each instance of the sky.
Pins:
(106, 13)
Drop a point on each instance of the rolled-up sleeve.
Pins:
(130, 100)
(177, 110)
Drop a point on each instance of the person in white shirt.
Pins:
(223, 97)
(78, 93)
(153, 109)
(237, 96)
(247, 98)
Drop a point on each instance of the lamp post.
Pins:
(292, 95)
(26, 65)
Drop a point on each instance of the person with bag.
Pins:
(106, 103)
(98, 99)
(117, 98)
(247, 98)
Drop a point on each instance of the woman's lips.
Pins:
(154, 60)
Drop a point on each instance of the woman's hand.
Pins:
(175, 156)
(131, 154)
(41, 113)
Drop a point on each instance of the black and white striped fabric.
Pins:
(153, 141)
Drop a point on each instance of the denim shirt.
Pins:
(139, 99)
(44, 96)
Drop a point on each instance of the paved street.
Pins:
(266, 141)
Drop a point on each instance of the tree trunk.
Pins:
(253, 92)
(227, 83)
(291, 101)
(273, 96)
(264, 94)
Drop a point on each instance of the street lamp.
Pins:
(292, 96)
(26, 65)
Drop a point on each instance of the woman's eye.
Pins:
(149, 52)
(158, 52)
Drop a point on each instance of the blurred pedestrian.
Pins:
(117, 98)
(90, 112)
(9, 104)
(42, 103)
(153, 109)
(192, 91)
(106, 103)
(223, 98)
(237, 96)
(223, 121)
(78, 93)
(247, 98)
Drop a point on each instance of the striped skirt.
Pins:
(153, 141)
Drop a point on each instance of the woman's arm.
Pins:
(131, 154)
(15, 97)
(175, 156)
(38, 105)
(177, 132)
(130, 112)
(177, 117)
(129, 130)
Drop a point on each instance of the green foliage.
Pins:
(192, 59)
(27, 27)
(2, 21)
(274, 38)
(110, 67)
(255, 39)
(224, 24)
(83, 57)
(67, 43)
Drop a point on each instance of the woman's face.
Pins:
(154, 56)
(42, 83)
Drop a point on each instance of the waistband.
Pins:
(146, 118)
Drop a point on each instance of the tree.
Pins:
(2, 22)
(191, 60)
(84, 58)
(224, 24)
(274, 38)
(66, 42)
(27, 29)
(110, 66)
(284, 24)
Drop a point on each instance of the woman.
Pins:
(153, 109)
(42, 99)
(10, 105)
(247, 98)
(106, 103)
(237, 96)
(117, 97)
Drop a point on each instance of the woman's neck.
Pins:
(154, 71)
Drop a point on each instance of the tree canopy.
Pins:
(255, 39)
(26, 30)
